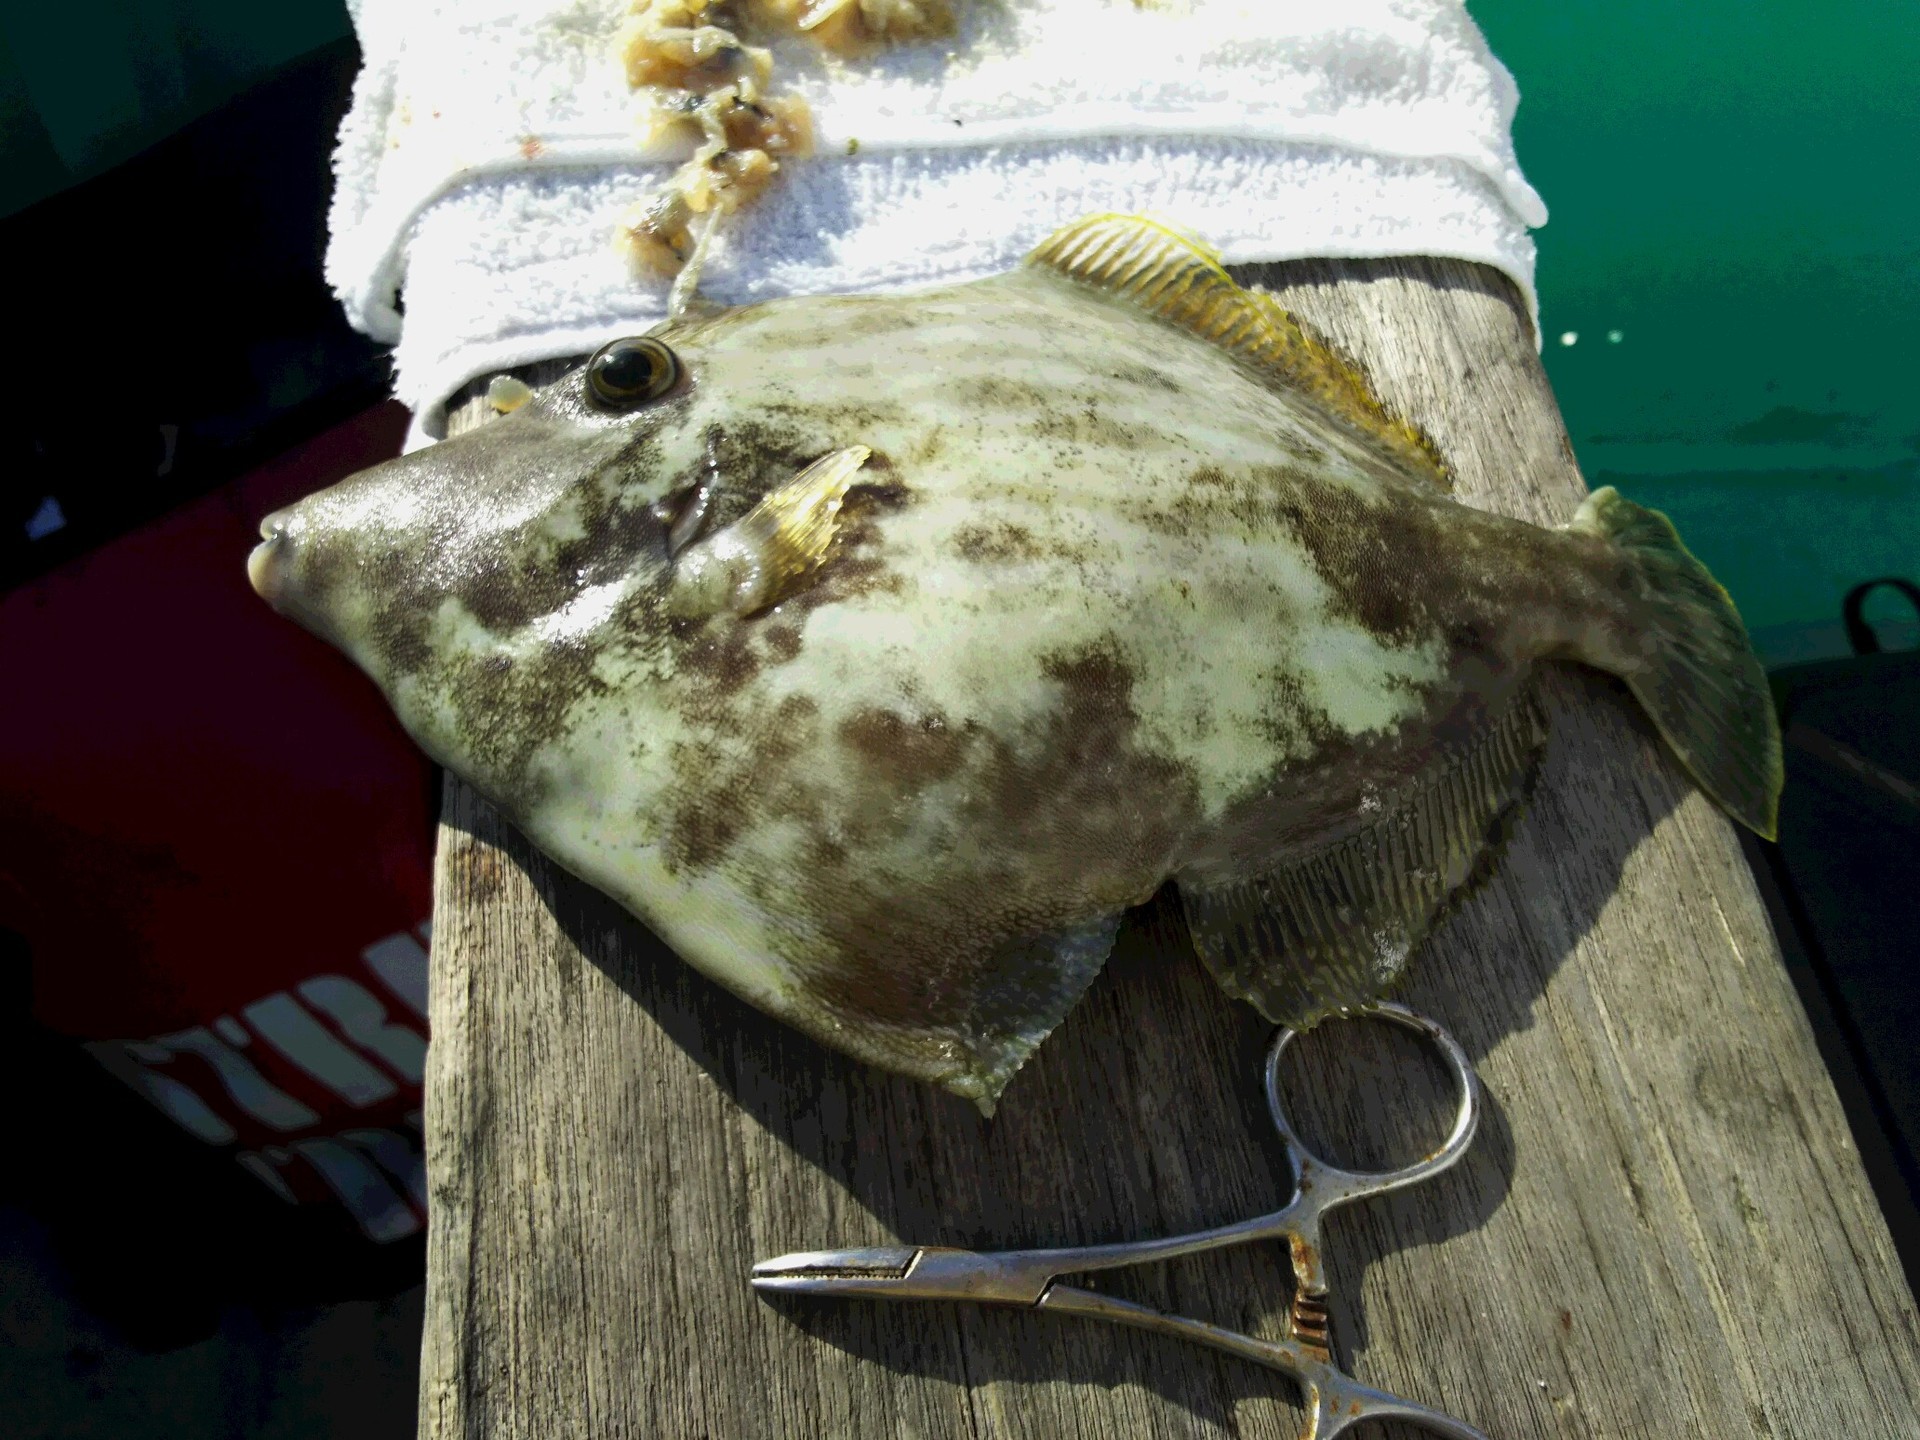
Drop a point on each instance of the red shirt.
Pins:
(217, 843)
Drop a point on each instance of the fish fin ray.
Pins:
(773, 549)
(1180, 279)
(802, 515)
(1699, 679)
(1336, 928)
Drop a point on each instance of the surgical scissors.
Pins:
(1335, 1401)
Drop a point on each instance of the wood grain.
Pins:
(1663, 1229)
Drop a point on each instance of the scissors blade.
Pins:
(925, 1272)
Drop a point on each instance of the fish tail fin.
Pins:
(1693, 669)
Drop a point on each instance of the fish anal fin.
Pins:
(1335, 928)
(1181, 280)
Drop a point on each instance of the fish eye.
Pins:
(631, 372)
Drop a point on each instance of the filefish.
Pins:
(879, 652)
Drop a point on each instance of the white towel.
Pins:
(492, 145)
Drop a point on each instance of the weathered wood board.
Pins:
(1663, 1229)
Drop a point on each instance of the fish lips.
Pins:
(312, 553)
(276, 569)
(267, 563)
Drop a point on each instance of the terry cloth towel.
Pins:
(493, 145)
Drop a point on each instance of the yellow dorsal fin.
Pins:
(1181, 280)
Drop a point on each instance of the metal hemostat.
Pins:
(1335, 1400)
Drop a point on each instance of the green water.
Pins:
(1732, 188)
(85, 86)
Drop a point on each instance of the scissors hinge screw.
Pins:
(1312, 1324)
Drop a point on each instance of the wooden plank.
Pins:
(1663, 1229)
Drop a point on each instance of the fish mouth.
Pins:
(267, 564)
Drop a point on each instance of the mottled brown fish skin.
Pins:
(1104, 609)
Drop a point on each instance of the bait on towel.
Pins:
(492, 148)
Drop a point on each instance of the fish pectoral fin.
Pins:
(770, 551)
(796, 523)
(1336, 928)
(1181, 280)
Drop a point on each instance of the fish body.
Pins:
(898, 644)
